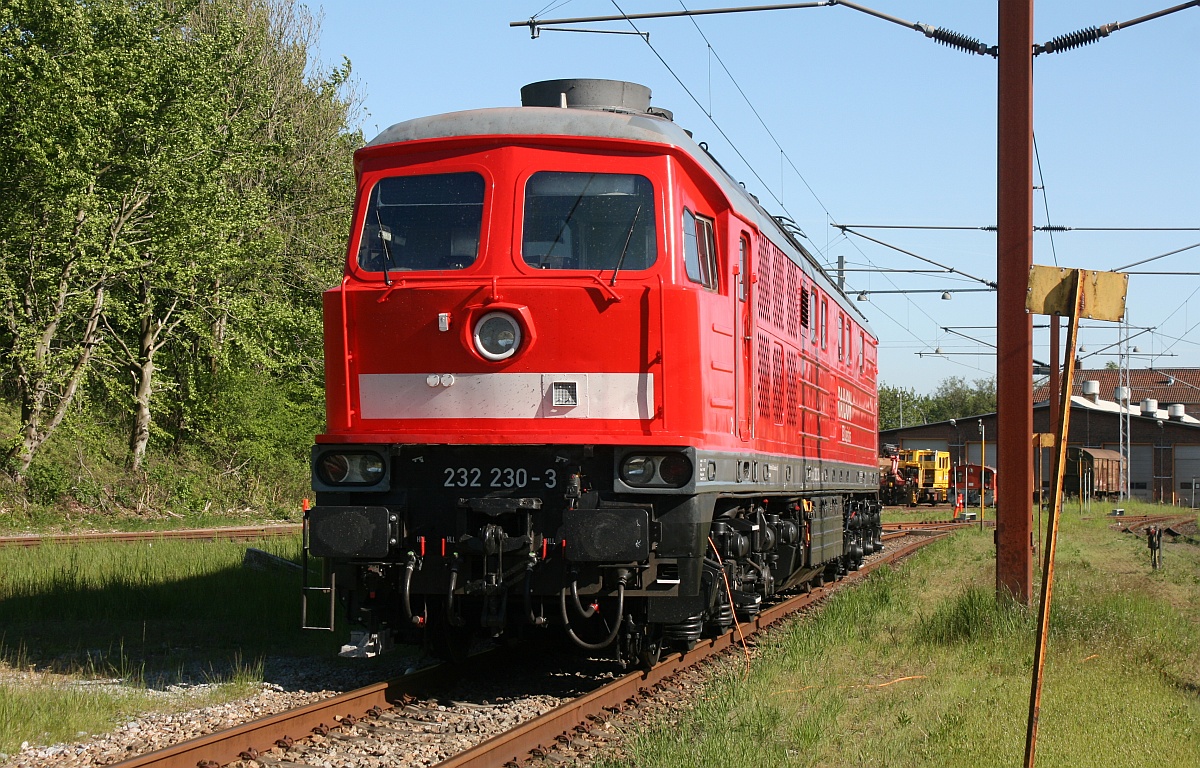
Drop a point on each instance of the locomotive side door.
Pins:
(744, 334)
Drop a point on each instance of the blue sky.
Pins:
(851, 120)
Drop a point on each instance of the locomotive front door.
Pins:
(744, 323)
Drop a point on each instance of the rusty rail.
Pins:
(891, 530)
(234, 533)
(224, 747)
(1128, 524)
(513, 746)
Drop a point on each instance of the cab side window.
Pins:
(699, 250)
(824, 322)
(743, 279)
(812, 313)
(841, 340)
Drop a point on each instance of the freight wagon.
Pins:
(1096, 471)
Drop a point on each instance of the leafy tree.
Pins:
(264, 150)
(74, 211)
(289, 189)
(900, 407)
(174, 181)
(953, 398)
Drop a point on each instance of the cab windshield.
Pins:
(427, 222)
(589, 221)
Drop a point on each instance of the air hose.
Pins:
(616, 627)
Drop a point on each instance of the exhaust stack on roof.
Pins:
(587, 93)
(1091, 390)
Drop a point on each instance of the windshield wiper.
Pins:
(625, 249)
(385, 235)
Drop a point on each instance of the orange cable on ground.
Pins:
(897, 680)
(867, 685)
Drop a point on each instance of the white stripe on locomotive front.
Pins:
(505, 396)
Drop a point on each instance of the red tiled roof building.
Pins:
(1169, 386)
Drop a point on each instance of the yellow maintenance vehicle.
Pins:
(916, 476)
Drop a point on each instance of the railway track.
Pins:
(359, 715)
(892, 530)
(1175, 525)
(236, 533)
(1133, 522)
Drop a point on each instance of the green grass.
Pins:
(149, 614)
(46, 708)
(49, 712)
(152, 601)
(922, 666)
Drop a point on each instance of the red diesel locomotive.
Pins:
(578, 378)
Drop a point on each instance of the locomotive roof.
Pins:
(649, 128)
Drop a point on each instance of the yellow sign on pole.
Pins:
(1102, 293)
(1075, 293)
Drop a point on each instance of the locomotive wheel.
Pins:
(651, 647)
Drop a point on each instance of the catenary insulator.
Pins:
(956, 40)
(1072, 40)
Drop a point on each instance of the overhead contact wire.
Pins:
(1045, 199)
(785, 156)
(700, 106)
(758, 116)
(743, 158)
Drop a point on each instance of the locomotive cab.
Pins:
(539, 413)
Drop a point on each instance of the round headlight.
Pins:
(497, 336)
(674, 469)
(334, 468)
(638, 470)
(350, 468)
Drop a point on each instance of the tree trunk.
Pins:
(139, 436)
(143, 378)
(34, 391)
(218, 328)
(21, 455)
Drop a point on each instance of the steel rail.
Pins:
(234, 533)
(924, 525)
(515, 746)
(222, 747)
(260, 735)
(1128, 524)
